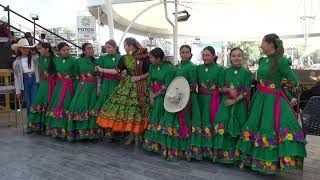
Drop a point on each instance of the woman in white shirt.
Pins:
(26, 72)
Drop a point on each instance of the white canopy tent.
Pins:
(216, 20)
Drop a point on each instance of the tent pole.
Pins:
(175, 33)
(110, 19)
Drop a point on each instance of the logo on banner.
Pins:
(86, 27)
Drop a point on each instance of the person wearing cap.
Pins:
(26, 72)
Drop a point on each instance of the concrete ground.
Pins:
(38, 157)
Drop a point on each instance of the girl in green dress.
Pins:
(178, 126)
(80, 123)
(57, 115)
(37, 116)
(126, 110)
(233, 110)
(210, 76)
(105, 64)
(272, 138)
(160, 75)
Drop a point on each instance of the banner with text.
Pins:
(86, 27)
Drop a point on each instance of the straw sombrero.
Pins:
(177, 95)
(23, 42)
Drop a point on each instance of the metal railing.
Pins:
(9, 11)
(19, 30)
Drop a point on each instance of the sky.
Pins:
(54, 13)
(63, 13)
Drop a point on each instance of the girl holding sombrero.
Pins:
(161, 74)
(182, 112)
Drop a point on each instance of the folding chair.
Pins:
(7, 88)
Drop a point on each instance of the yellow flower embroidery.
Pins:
(287, 159)
(289, 137)
(221, 131)
(268, 163)
(264, 139)
(165, 153)
(241, 166)
(272, 86)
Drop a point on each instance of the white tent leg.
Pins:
(110, 19)
(175, 33)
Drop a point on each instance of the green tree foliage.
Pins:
(251, 50)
